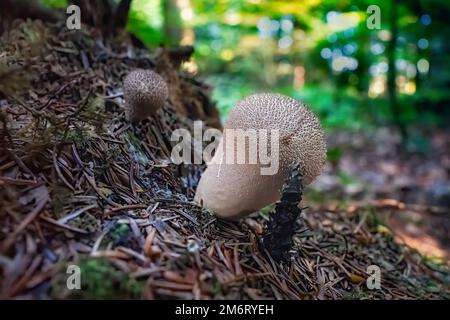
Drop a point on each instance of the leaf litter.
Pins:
(81, 186)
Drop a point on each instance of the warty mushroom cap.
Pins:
(145, 92)
(232, 190)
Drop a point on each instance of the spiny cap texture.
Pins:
(301, 135)
(145, 92)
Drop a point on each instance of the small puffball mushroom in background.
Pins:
(145, 92)
(232, 190)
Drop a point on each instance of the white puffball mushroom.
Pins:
(231, 190)
(144, 92)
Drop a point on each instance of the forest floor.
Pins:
(81, 186)
(410, 189)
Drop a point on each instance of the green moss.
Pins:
(65, 135)
(217, 288)
(99, 280)
(120, 233)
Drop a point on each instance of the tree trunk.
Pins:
(104, 15)
(392, 73)
(172, 23)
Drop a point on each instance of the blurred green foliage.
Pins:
(320, 51)
(146, 21)
(57, 4)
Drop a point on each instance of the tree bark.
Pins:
(104, 15)
(172, 23)
(392, 73)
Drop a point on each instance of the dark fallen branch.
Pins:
(282, 224)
